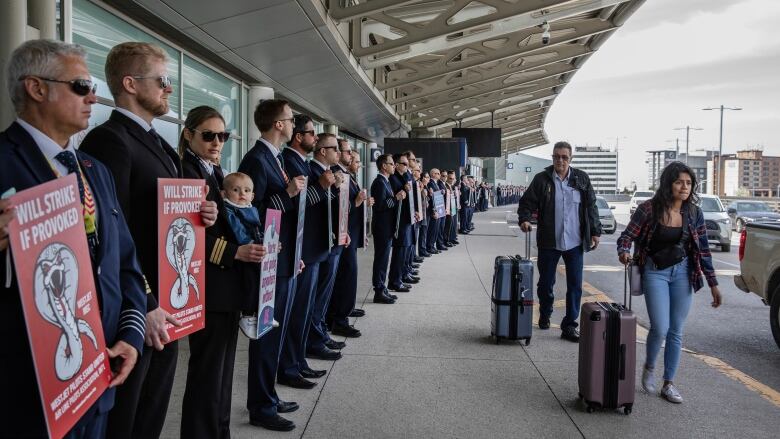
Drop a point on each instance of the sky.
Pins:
(669, 60)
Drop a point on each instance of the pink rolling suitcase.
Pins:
(607, 357)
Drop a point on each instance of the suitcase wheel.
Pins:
(527, 341)
(627, 409)
(590, 409)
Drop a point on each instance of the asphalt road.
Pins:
(737, 333)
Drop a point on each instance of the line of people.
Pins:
(508, 194)
(120, 162)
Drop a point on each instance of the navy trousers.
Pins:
(318, 334)
(398, 265)
(264, 354)
(382, 250)
(344, 296)
(294, 346)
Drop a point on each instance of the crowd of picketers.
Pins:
(118, 164)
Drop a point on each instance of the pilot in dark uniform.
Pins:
(383, 225)
(36, 149)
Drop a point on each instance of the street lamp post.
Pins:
(687, 129)
(720, 144)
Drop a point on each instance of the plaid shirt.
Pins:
(640, 230)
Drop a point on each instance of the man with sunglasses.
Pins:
(52, 94)
(293, 370)
(568, 227)
(137, 156)
(383, 225)
(400, 278)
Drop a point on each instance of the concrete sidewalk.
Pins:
(426, 367)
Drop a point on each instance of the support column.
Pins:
(369, 163)
(331, 128)
(13, 27)
(43, 16)
(256, 94)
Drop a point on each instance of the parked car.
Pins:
(638, 198)
(744, 212)
(608, 223)
(759, 263)
(717, 221)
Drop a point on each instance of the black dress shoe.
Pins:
(414, 273)
(418, 259)
(275, 423)
(411, 280)
(443, 249)
(570, 334)
(286, 407)
(346, 331)
(325, 354)
(425, 255)
(433, 252)
(357, 312)
(381, 298)
(335, 345)
(390, 296)
(298, 382)
(399, 288)
(447, 245)
(310, 373)
(544, 322)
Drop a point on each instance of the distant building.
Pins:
(658, 160)
(601, 165)
(748, 173)
(521, 168)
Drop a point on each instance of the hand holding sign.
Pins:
(6, 216)
(250, 253)
(156, 332)
(208, 211)
(400, 195)
(327, 179)
(296, 185)
(123, 358)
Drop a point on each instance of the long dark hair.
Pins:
(195, 117)
(663, 199)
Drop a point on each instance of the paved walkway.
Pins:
(427, 368)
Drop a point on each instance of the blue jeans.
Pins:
(668, 296)
(547, 264)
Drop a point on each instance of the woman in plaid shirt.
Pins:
(673, 252)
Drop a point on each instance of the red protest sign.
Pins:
(181, 248)
(59, 301)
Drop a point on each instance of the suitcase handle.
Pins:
(528, 245)
(626, 297)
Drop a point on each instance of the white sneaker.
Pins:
(648, 380)
(248, 325)
(671, 394)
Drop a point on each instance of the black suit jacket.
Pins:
(315, 238)
(136, 161)
(226, 289)
(119, 284)
(271, 193)
(383, 218)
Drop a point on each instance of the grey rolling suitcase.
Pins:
(512, 300)
(607, 359)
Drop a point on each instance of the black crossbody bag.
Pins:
(669, 256)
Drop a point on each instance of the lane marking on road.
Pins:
(724, 262)
(766, 392)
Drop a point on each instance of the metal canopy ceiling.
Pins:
(449, 63)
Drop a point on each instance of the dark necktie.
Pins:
(158, 139)
(281, 166)
(68, 159)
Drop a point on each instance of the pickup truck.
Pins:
(759, 260)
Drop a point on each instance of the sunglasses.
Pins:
(402, 164)
(306, 132)
(208, 136)
(564, 158)
(165, 81)
(81, 87)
